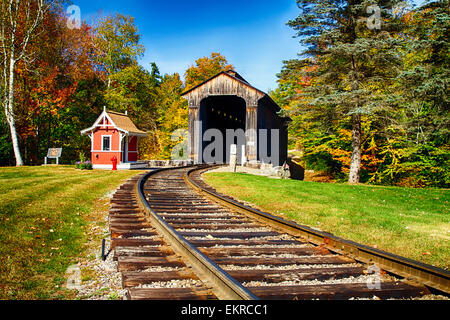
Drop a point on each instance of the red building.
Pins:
(114, 134)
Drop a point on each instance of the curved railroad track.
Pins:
(174, 237)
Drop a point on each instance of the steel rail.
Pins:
(228, 288)
(415, 271)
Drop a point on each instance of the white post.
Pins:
(243, 158)
(233, 157)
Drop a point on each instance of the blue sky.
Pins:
(252, 34)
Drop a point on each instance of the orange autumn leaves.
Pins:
(47, 84)
(46, 97)
(369, 159)
(205, 68)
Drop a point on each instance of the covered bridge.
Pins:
(228, 101)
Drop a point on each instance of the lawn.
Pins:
(44, 212)
(414, 223)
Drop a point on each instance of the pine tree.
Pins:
(351, 43)
(424, 80)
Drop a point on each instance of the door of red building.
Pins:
(125, 150)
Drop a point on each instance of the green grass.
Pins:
(413, 223)
(43, 215)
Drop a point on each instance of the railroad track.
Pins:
(174, 237)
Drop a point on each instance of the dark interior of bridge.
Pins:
(222, 113)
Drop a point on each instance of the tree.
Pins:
(117, 44)
(19, 20)
(417, 152)
(205, 68)
(354, 61)
(172, 111)
(49, 103)
(155, 76)
(423, 81)
(129, 86)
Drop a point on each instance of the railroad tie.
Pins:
(269, 263)
(150, 269)
(163, 221)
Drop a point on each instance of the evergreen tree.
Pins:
(351, 43)
(424, 79)
(155, 76)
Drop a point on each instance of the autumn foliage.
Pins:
(70, 74)
(205, 68)
(394, 79)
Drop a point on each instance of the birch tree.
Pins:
(19, 22)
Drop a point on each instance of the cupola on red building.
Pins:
(114, 135)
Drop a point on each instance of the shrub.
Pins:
(83, 164)
(87, 165)
(422, 166)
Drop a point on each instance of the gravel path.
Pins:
(99, 279)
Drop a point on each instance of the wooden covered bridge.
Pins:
(228, 101)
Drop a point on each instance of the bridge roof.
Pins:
(217, 85)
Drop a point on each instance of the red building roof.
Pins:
(119, 121)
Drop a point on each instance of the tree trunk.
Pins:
(355, 167)
(9, 108)
(15, 13)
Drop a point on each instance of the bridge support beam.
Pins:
(251, 133)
